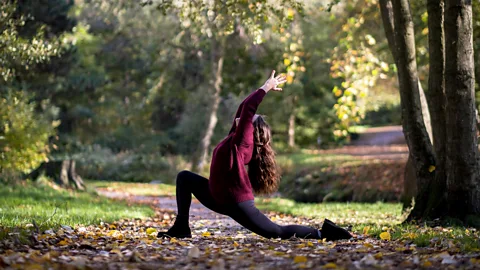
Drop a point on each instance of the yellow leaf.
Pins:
(289, 79)
(286, 61)
(431, 168)
(400, 249)
(300, 259)
(385, 236)
(235, 244)
(63, 243)
(301, 245)
(183, 244)
(378, 256)
(173, 240)
(112, 232)
(330, 266)
(368, 245)
(310, 244)
(290, 13)
(116, 251)
(206, 234)
(366, 229)
(35, 266)
(151, 230)
(427, 264)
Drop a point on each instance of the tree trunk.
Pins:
(291, 124)
(416, 135)
(62, 172)
(398, 28)
(291, 130)
(217, 66)
(461, 151)
(410, 188)
(434, 194)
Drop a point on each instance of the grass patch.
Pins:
(374, 218)
(21, 204)
(139, 189)
(343, 213)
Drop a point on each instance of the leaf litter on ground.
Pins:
(219, 243)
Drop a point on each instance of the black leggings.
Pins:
(245, 213)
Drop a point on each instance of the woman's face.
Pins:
(253, 120)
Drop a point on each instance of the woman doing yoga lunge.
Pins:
(230, 188)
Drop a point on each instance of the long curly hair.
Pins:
(262, 169)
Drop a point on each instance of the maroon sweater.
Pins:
(229, 182)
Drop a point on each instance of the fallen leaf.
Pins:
(368, 245)
(194, 252)
(151, 231)
(206, 234)
(368, 260)
(330, 266)
(378, 255)
(385, 236)
(300, 259)
(63, 243)
(426, 264)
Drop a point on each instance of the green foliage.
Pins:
(102, 163)
(49, 208)
(16, 51)
(355, 61)
(23, 132)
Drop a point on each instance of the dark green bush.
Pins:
(102, 163)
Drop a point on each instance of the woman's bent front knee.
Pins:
(183, 176)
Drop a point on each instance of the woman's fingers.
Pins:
(277, 89)
(273, 74)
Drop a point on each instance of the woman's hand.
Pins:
(273, 82)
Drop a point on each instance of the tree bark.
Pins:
(414, 104)
(217, 58)
(410, 185)
(62, 172)
(416, 135)
(291, 124)
(291, 130)
(435, 205)
(461, 142)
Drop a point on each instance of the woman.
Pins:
(230, 188)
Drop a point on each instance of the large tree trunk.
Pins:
(62, 172)
(432, 197)
(398, 28)
(200, 159)
(461, 151)
(414, 129)
(410, 188)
